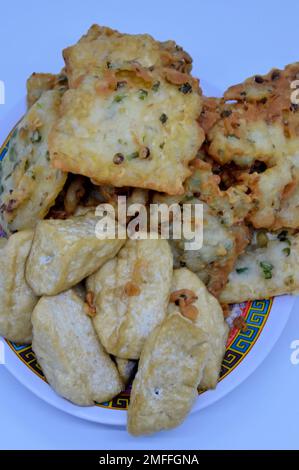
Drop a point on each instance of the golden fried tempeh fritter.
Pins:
(256, 126)
(29, 184)
(130, 116)
(265, 270)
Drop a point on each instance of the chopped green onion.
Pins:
(287, 251)
(142, 94)
(267, 269)
(241, 270)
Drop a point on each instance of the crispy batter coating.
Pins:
(131, 295)
(119, 138)
(209, 318)
(29, 184)
(222, 242)
(103, 48)
(16, 297)
(127, 122)
(170, 368)
(256, 126)
(66, 251)
(69, 352)
(266, 269)
(38, 83)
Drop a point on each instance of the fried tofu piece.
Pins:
(125, 122)
(170, 368)
(66, 251)
(16, 297)
(131, 295)
(259, 132)
(103, 47)
(69, 352)
(126, 369)
(209, 319)
(265, 271)
(29, 183)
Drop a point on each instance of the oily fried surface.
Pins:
(223, 240)
(265, 270)
(16, 297)
(170, 369)
(209, 318)
(64, 252)
(128, 123)
(118, 137)
(256, 126)
(102, 47)
(67, 348)
(131, 295)
(37, 83)
(29, 184)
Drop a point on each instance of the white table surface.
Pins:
(229, 41)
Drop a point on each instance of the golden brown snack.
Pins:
(103, 48)
(16, 298)
(119, 139)
(38, 83)
(269, 267)
(127, 122)
(209, 319)
(256, 126)
(66, 251)
(170, 368)
(131, 295)
(222, 242)
(29, 184)
(69, 352)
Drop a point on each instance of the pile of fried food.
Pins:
(126, 117)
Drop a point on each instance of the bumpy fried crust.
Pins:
(68, 350)
(170, 369)
(131, 295)
(261, 126)
(16, 298)
(265, 271)
(29, 184)
(103, 46)
(38, 83)
(222, 242)
(231, 205)
(94, 130)
(127, 122)
(209, 318)
(66, 251)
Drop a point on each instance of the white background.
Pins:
(229, 40)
